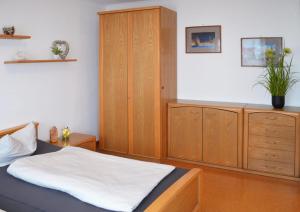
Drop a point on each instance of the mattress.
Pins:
(19, 196)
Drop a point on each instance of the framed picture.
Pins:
(253, 50)
(203, 39)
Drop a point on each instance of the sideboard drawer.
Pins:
(271, 167)
(285, 132)
(271, 155)
(272, 143)
(274, 119)
(272, 140)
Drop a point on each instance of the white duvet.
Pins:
(105, 181)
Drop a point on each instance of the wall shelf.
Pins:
(14, 37)
(39, 61)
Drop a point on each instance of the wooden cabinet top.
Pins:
(76, 139)
(131, 10)
(269, 108)
(184, 102)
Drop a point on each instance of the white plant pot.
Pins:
(56, 57)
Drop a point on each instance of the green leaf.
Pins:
(278, 77)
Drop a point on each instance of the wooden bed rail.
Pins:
(182, 196)
(14, 129)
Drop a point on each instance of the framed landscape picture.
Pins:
(253, 50)
(203, 39)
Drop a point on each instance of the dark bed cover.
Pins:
(19, 196)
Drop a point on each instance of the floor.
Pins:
(230, 191)
(227, 191)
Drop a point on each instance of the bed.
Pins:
(179, 191)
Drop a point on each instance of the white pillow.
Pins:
(19, 144)
(27, 136)
(10, 150)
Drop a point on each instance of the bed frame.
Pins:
(183, 195)
(14, 129)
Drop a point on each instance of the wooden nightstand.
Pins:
(79, 140)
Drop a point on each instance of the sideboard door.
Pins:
(185, 133)
(220, 137)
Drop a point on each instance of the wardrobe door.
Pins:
(144, 83)
(113, 82)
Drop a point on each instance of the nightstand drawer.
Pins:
(88, 145)
(271, 167)
(271, 155)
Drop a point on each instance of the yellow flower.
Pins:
(270, 53)
(287, 50)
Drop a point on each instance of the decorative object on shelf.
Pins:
(56, 51)
(61, 48)
(53, 135)
(9, 30)
(253, 50)
(20, 55)
(203, 39)
(66, 133)
(279, 77)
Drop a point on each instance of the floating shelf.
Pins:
(39, 61)
(14, 37)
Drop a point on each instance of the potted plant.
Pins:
(278, 78)
(56, 51)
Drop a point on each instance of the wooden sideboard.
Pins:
(205, 132)
(250, 138)
(271, 140)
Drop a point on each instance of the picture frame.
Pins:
(253, 50)
(204, 39)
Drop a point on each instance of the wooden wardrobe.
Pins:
(137, 79)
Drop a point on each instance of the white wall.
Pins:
(61, 94)
(220, 77)
(66, 94)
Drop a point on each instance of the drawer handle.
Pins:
(271, 155)
(273, 142)
(268, 131)
(270, 167)
(272, 118)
